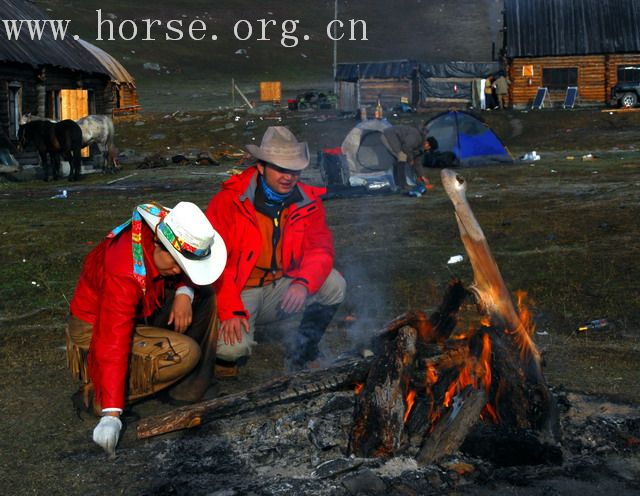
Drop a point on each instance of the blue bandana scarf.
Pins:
(270, 195)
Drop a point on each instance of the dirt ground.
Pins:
(563, 229)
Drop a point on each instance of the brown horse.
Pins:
(53, 140)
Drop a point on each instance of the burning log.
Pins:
(442, 384)
(489, 287)
(384, 408)
(452, 430)
(492, 295)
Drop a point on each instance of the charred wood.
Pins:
(508, 446)
(380, 407)
(296, 387)
(452, 429)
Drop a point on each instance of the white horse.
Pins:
(96, 129)
(99, 130)
(24, 118)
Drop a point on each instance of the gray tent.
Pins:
(363, 148)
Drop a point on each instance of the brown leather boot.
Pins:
(224, 369)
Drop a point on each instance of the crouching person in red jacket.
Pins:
(150, 274)
(281, 253)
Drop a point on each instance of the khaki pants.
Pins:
(263, 305)
(159, 357)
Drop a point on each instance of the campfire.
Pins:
(434, 381)
(431, 381)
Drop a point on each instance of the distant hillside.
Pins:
(426, 30)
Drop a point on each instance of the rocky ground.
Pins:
(564, 229)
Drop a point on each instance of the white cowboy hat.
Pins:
(280, 147)
(191, 240)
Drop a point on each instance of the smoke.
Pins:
(364, 263)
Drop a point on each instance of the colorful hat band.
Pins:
(184, 248)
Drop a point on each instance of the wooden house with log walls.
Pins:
(54, 78)
(123, 85)
(590, 44)
(393, 81)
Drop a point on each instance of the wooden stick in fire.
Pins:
(488, 286)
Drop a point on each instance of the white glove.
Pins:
(402, 157)
(107, 433)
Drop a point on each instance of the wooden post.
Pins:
(233, 92)
(242, 95)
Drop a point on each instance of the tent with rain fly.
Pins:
(363, 149)
(362, 161)
(472, 141)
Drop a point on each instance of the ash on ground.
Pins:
(301, 449)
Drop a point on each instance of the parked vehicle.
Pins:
(626, 94)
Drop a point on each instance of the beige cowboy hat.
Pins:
(280, 147)
(190, 239)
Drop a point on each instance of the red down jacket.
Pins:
(307, 243)
(109, 298)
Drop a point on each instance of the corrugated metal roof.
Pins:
(538, 28)
(115, 69)
(66, 53)
(373, 70)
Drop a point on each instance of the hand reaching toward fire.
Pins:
(231, 329)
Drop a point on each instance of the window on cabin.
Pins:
(52, 105)
(15, 108)
(628, 73)
(560, 78)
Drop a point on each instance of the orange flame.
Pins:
(475, 372)
(489, 412)
(465, 378)
(409, 401)
(424, 327)
(358, 389)
(432, 374)
(524, 332)
(485, 361)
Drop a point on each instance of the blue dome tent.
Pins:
(472, 141)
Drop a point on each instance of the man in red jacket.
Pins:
(280, 252)
(134, 286)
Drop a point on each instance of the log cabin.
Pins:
(55, 78)
(589, 44)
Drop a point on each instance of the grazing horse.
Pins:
(52, 140)
(96, 129)
(99, 129)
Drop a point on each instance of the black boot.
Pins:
(315, 320)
